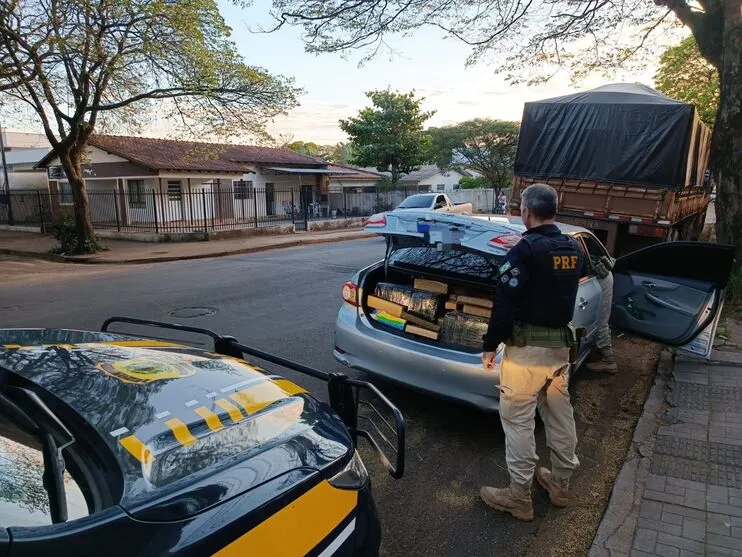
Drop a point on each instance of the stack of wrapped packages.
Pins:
(433, 310)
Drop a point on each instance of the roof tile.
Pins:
(168, 154)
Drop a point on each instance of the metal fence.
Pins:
(26, 208)
(218, 208)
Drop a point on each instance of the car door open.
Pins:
(672, 292)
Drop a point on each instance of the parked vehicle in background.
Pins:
(627, 162)
(435, 202)
(447, 266)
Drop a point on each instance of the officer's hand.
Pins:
(488, 360)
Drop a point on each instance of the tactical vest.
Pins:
(555, 270)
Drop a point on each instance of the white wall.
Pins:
(480, 198)
(448, 179)
(27, 180)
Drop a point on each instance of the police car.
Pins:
(112, 444)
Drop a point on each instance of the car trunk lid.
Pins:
(414, 228)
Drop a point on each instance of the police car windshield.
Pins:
(454, 262)
(417, 202)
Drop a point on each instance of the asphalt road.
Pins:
(285, 302)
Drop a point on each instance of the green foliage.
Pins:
(336, 154)
(487, 146)
(389, 136)
(685, 75)
(64, 231)
(471, 182)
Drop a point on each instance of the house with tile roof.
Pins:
(141, 180)
(430, 178)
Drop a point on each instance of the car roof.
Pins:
(153, 402)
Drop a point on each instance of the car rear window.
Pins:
(417, 202)
(455, 262)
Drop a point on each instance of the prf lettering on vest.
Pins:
(564, 262)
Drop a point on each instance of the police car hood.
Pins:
(188, 428)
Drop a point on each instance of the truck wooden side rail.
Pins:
(625, 217)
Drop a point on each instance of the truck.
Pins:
(627, 162)
(434, 202)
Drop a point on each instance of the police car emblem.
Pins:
(513, 282)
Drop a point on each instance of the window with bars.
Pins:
(242, 189)
(135, 189)
(174, 192)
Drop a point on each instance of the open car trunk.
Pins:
(441, 297)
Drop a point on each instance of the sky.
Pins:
(435, 67)
(426, 62)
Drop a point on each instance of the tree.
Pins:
(306, 148)
(472, 182)
(341, 153)
(336, 154)
(390, 135)
(539, 37)
(78, 64)
(686, 76)
(487, 146)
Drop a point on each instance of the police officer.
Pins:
(534, 303)
(602, 360)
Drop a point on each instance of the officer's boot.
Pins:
(603, 362)
(515, 499)
(558, 488)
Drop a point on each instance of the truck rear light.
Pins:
(350, 293)
(653, 231)
(378, 219)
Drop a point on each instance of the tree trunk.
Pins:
(726, 141)
(72, 164)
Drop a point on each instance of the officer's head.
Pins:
(538, 205)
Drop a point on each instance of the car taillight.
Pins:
(515, 212)
(376, 220)
(506, 241)
(350, 293)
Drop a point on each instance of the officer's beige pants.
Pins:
(532, 377)
(603, 335)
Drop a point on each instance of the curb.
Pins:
(92, 260)
(615, 533)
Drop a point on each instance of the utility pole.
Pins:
(5, 175)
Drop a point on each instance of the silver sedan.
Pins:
(653, 297)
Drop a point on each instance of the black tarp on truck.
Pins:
(627, 162)
(623, 133)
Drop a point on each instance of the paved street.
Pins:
(285, 301)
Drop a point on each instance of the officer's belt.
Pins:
(525, 334)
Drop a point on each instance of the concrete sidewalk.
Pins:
(123, 252)
(679, 493)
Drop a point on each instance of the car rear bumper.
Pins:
(438, 371)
